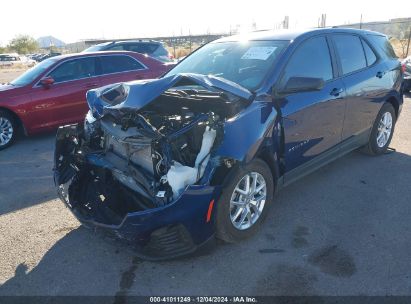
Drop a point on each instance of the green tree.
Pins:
(2, 50)
(23, 44)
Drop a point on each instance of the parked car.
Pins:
(37, 57)
(151, 48)
(168, 164)
(406, 66)
(53, 93)
(42, 57)
(15, 59)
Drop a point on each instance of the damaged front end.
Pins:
(142, 163)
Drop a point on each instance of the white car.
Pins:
(14, 59)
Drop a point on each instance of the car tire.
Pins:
(228, 226)
(379, 138)
(8, 129)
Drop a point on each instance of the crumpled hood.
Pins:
(137, 94)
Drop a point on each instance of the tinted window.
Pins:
(161, 51)
(369, 54)
(74, 69)
(351, 53)
(311, 59)
(382, 44)
(119, 63)
(143, 48)
(96, 48)
(118, 47)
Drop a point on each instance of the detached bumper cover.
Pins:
(174, 230)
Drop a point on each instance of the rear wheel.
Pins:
(244, 201)
(382, 131)
(8, 129)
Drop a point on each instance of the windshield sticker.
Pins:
(259, 52)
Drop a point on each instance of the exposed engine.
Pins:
(144, 159)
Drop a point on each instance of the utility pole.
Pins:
(323, 20)
(409, 38)
(286, 22)
(174, 45)
(189, 33)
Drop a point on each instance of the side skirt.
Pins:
(325, 158)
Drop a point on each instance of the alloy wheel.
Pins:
(384, 129)
(6, 131)
(248, 200)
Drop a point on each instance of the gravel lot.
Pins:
(344, 230)
(8, 74)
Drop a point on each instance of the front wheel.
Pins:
(7, 129)
(382, 131)
(244, 201)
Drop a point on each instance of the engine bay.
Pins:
(131, 160)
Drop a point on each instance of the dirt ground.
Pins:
(343, 230)
(8, 74)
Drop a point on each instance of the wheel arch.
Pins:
(267, 152)
(19, 121)
(395, 103)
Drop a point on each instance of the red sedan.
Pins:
(53, 93)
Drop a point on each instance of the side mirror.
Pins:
(302, 84)
(47, 82)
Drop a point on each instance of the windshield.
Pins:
(246, 63)
(33, 73)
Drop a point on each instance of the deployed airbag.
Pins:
(180, 176)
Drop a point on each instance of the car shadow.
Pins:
(338, 200)
(26, 177)
(78, 264)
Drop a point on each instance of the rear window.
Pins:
(161, 51)
(382, 44)
(116, 47)
(119, 63)
(96, 48)
(143, 48)
(350, 52)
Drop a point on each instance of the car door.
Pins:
(64, 101)
(312, 120)
(120, 68)
(365, 77)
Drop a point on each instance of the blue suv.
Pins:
(171, 163)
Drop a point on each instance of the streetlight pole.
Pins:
(409, 38)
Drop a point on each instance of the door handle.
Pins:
(380, 74)
(336, 91)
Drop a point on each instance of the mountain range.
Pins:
(47, 41)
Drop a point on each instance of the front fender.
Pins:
(248, 132)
